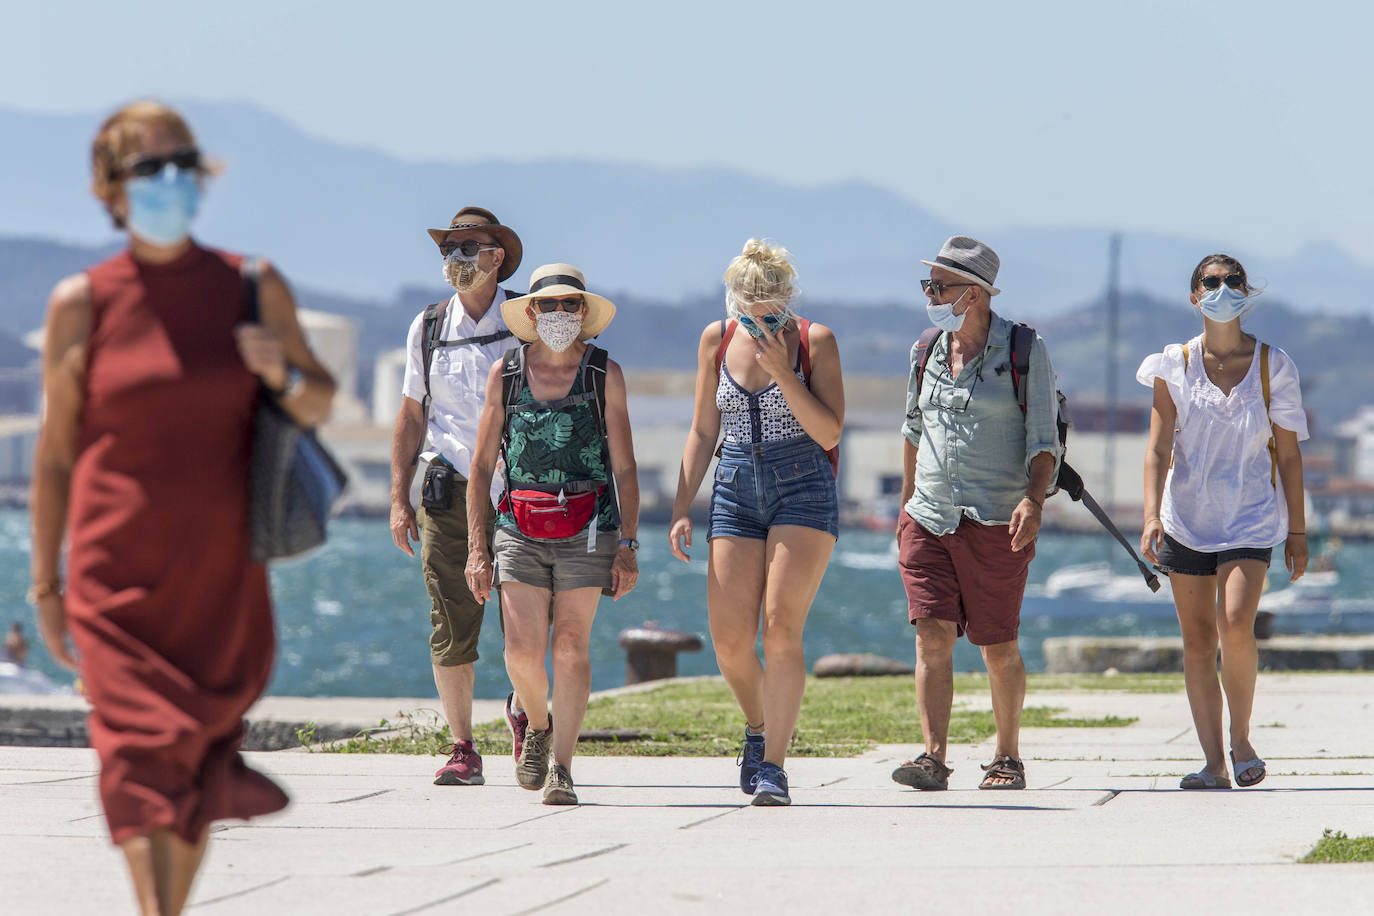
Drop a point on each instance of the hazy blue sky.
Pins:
(1232, 120)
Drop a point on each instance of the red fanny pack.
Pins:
(550, 515)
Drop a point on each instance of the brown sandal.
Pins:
(925, 773)
(1004, 767)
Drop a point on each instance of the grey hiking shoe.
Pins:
(534, 758)
(558, 787)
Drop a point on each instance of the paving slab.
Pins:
(1101, 828)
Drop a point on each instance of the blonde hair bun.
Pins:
(762, 271)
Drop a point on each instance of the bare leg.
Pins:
(455, 696)
(1007, 678)
(1238, 594)
(935, 681)
(797, 557)
(573, 612)
(734, 594)
(1195, 600)
(163, 867)
(525, 610)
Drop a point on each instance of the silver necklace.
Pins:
(1218, 358)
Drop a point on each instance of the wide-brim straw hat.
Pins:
(553, 281)
(477, 219)
(970, 259)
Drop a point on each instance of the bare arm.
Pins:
(489, 430)
(270, 348)
(625, 569)
(63, 369)
(405, 444)
(1289, 459)
(820, 408)
(701, 439)
(1159, 451)
(1028, 514)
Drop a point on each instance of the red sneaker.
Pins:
(517, 725)
(464, 768)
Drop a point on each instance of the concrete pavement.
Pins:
(1101, 828)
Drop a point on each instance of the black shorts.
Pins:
(1175, 558)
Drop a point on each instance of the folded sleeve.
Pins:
(1285, 394)
(911, 424)
(1042, 408)
(1168, 366)
(414, 385)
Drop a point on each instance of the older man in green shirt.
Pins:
(977, 471)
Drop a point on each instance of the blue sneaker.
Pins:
(748, 760)
(770, 785)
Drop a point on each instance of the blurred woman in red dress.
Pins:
(150, 376)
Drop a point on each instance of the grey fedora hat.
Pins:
(970, 259)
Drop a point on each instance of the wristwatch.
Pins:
(632, 543)
(295, 381)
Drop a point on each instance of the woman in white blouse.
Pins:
(1223, 487)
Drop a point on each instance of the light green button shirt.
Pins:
(973, 444)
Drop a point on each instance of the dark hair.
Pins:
(1225, 260)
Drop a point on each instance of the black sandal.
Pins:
(925, 773)
(1004, 767)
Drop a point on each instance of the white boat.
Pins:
(1097, 582)
(21, 680)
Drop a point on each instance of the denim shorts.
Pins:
(1175, 558)
(782, 482)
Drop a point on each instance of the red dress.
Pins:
(169, 613)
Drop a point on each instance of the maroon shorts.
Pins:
(970, 578)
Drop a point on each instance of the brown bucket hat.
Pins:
(478, 219)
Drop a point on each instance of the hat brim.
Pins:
(992, 290)
(505, 237)
(597, 312)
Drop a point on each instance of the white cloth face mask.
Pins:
(943, 317)
(558, 329)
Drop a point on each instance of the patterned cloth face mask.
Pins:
(757, 325)
(558, 329)
(462, 273)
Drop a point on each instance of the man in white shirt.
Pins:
(440, 405)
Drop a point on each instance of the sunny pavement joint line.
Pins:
(1106, 797)
(586, 855)
(564, 899)
(433, 903)
(344, 801)
(483, 855)
(735, 809)
(242, 893)
(565, 809)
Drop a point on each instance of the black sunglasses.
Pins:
(936, 287)
(147, 166)
(1234, 281)
(566, 303)
(469, 247)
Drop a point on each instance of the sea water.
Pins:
(353, 617)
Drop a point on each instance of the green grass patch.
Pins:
(840, 717)
(1335, 846)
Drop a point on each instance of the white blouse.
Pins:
(1218, 495)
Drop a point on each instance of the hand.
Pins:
(901, 520)
(771, 354)
(1295, 556)
(262, 352)
(624, 573)
(1151, 539)
(404, 528)
(1025, 523)
(478, 574)
(51, 613)
(680, 537)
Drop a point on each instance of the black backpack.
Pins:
(1069, 480)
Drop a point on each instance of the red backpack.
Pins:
(727, 331)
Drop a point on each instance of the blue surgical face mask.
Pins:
(1224, 303)
(772, 322)
(162, 206)
(943, 317)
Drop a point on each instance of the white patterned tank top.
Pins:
(749, 417)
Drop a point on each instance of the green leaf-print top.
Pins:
(547, 447)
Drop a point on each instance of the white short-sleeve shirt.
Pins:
(457, 382)
(1218, 494)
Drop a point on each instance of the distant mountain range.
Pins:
(1331, 351)
(350, 221)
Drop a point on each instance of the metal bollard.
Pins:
(651, 652)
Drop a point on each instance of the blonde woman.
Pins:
(777, 392)
(150, 378)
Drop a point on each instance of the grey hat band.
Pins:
(556, 280)
(958, 265)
